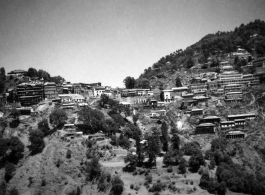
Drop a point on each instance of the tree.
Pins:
(191, 148)
(16, 149)
(178, 82)
(32, 72)
(93, 119)
(132, 161)
(129, 82)
(117, 186)
(43, 74)
(37, 143)
(175, 141)
(153, 148)
(182, 165)
(58, 117)
(172, 157)
(196, 160)
(109, 127)
(165, 137)
(44, 127)
(93, 169)
(57, 79)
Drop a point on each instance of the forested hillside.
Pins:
(250, 37)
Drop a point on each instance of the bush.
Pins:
(68, 154)
(3, 188)
(157, 187)
(170, 169)
(132, 186)
(149, 178)
(9, 171)
(14, 123)
(13, 191)
(117, 186)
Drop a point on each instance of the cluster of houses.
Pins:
(232, 126)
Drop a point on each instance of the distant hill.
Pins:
(250, 37)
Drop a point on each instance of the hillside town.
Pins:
(150, 98)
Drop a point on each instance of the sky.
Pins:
(107, 40)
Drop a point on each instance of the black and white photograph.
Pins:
(132, 97)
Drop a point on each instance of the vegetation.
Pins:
(44, 127)
(129, 82)
(117, 186)
(9, 171)
(93, 169)
(36, 140)
(58, 117)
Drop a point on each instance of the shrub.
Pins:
(13, 191)
(3, 188)
(157, 187)
(170, 169)
(132, 186)
(14, 123)
(149, 178)
(68, 154)
(117, 186)
(9, 171)
(136, 187)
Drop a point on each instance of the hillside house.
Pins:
(29, 94)
(205, 128)
(249, 116)
(210, 119)
(168, 95)
(50, 90)
(233, 96)
(235, 135)
(98, 91)
(227, 124)
(196, 112)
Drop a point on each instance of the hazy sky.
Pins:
(107, 40)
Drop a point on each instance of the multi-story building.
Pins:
(98, 91)
(29, 94)
(233, 88)
(235, 78)
(199, 88)
(213, 86)
(205, 128)
(233, 96)
(249, 116)
(168, 95)
(50, 90)
(210, 119)
(235, 135)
